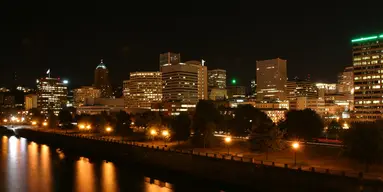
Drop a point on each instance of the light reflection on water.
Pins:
(28, 166)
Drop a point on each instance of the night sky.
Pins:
(71, 39)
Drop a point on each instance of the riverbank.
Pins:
(245, 173)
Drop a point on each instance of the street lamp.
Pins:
(227, 142)
(166, 134)
(45, 123)
(295, 146)
(108, 129)
(153, 133)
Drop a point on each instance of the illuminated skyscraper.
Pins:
(271, 79)
(142, 89)
(180, 83)
(368, 77)
(101, 80)
(51, 94)
(169, 59)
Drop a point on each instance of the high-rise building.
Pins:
(169, 59)
(30, 101)
(142, 89)
(301, 88)
(217, 78)
(51, 94)
(101, 80)
(346, 80)
(180, 83)
(202, 78)
(368, 79)
(271, 79)
(81, 94)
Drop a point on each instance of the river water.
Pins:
(29, 166)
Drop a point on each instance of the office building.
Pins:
(30, 101)
(253, 86)
(346, 81)
(169, 59)
(81, 94)
(236, 91)
(217, 78)
(101, 80)
(51, 94)
(325, 89)
(217, 84)
(368, 79)
(142, 89)
(180, 83)
(202, 78)
(300, 88)
(271, 79)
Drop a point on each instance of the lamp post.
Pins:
(295, 146)
(108, 129)
(227, 142)
(153, 133)
(165, 133)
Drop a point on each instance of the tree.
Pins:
(52, 119)
(247, 118)
(364, 142)
(36, 115)
(181, 127)
(65, 117)
(204, 122)
(334, 129)
(123, 123)
(305, 124)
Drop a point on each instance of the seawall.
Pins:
(257, 176)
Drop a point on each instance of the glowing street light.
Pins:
(295, 146)
(34, 123)
(81, 126)
(153, 133)
(166, 134)
(108, 129)
(5, 120)
(227, 142)
(45, 123)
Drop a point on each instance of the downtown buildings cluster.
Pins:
(178, 86)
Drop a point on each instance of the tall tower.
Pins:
(101, 80)
(271, 79)
(368, 68)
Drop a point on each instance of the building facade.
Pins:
(236, 91)
(51, 94)
(368, 77)
(217, 78)
(202, 79)
(101, 80)
(271, 79)
(301, 88)
(180, 83)
(169, 59)
(30, 101)
(346, 81)
(81, 94)
(142, 89)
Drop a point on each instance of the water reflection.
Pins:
(28, 166)
(84, 175)
(109, 177)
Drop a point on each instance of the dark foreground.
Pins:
(215, 173)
